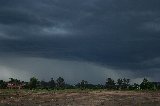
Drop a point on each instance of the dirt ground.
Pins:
(79, 98)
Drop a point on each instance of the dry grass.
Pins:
(79, 98)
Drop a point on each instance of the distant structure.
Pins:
(12, 85)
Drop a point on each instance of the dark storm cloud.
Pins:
(122, 34)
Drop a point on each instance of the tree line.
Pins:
(59, 83)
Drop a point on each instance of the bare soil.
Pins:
(79, 98)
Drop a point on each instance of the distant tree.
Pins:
(128, 81)
(84, 83)
(33, 83)
(146, 85)
(125, 83)
(2, 84)
(119, 82)
(60, 82)
(44, 85)
(68, 86)
(135, 86)
(110, 84)
(52, 83)
(14, 81)
(156, 85)
(11, 80)
(100, 86)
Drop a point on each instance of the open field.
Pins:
(79, 98)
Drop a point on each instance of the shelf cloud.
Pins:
(121, 36)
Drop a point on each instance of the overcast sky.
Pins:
(80, 39)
